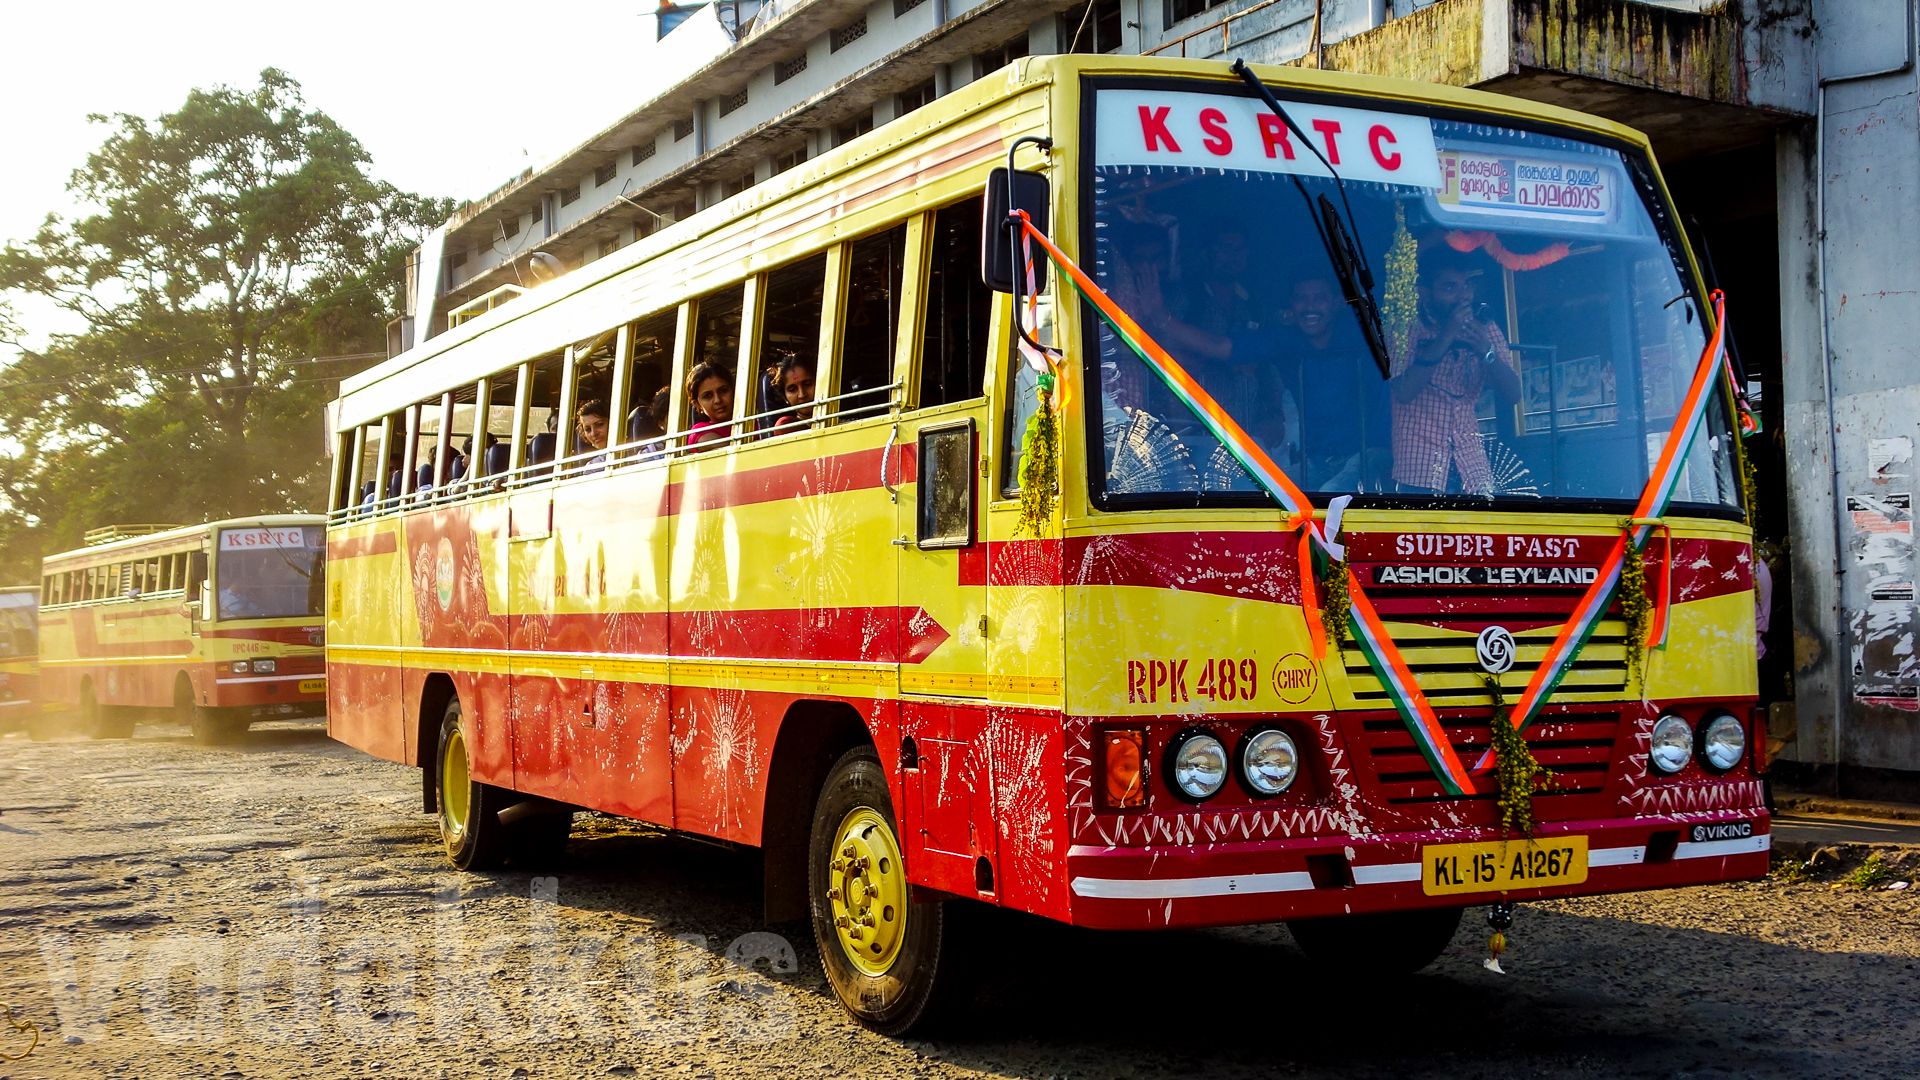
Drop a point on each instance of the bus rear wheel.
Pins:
(881, 948)
(469, 810)
(1383, 943)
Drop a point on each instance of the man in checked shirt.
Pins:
(1455, 353)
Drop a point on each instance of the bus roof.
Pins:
(356, 406)
(172, 537)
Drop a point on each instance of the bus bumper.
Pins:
(1132, 888)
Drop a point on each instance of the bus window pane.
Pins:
(543, 410)
(872, 319)
(790, 335)
(653, 345)
(716, 347)
(370, 475)
(953, 352)
(270, 572)
(593, 382)
(465, 463)
(432, 418)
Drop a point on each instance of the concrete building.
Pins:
(1787, 129)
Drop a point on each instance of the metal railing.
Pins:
(635, 452)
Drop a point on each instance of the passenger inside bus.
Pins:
(710, 391)
(650, 424)
(796, 388)
(590, 424)
(1455, 351)
(1343, 400)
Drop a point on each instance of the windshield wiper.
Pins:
(1344, 253)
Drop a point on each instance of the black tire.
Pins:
(469, 815)
(907, 991)
(99, 721)
(1387, 943)
(210, 726)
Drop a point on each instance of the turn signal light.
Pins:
(1124, 753)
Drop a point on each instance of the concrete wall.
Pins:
(1850, 244)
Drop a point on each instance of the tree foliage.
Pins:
(234, 259)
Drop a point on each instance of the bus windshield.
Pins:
(270, 572)
(1540, 331)
(19, 617)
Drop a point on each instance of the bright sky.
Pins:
(449, 99)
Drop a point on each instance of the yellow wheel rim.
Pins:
(867, 891)
(454, 791)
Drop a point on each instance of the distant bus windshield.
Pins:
(19, 616)
(270, 572)
(1539, 331)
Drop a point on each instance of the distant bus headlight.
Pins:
(1199, 765)
(264, 667)
(240, 666)
(1723, 742)
(1268, 762)
(1672, 744)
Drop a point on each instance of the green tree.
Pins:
(235, 259)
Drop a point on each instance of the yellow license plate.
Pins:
(1502, 865)
(313, 686)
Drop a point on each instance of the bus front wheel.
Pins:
(469, 810)
(1383, 943)
(210, 726)
(881, 948)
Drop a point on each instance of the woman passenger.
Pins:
(710, 389)
(590, 424)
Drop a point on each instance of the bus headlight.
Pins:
(1672, 745)
(264, 667)
(1269, 762)
(240, 666)
(1723, 742)
(1198, 765)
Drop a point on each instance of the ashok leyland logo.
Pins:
(1494, 649)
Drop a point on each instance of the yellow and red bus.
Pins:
(19, 655)
(924, 648)
(216, 626)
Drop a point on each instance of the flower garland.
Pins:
(1336, 603)
(1518, 773)
(1467, 240)
(1635, 606)
(1039, 463)
(1403, 292)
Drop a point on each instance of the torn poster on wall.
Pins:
(1883, 543)
(1888, 458)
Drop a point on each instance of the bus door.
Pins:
(942, 642)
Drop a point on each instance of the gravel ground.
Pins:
(282, 908)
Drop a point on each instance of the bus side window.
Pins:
(716, 341)
(654, 340)
(196, 574)
(953, 348)
(871, 322)
(467, 461)
(543, 415)
(592, 385)
(789, 336)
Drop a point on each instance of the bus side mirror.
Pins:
(1001, 254)
(190, 609)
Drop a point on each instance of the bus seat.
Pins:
(423, 477)
(459, 468)
(393, 484)
(540, 448)
(497, 457)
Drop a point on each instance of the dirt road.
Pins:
(282, 909)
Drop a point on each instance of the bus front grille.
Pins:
(1576, 747)
(1449, 673)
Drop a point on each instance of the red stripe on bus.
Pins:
(858, 470)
